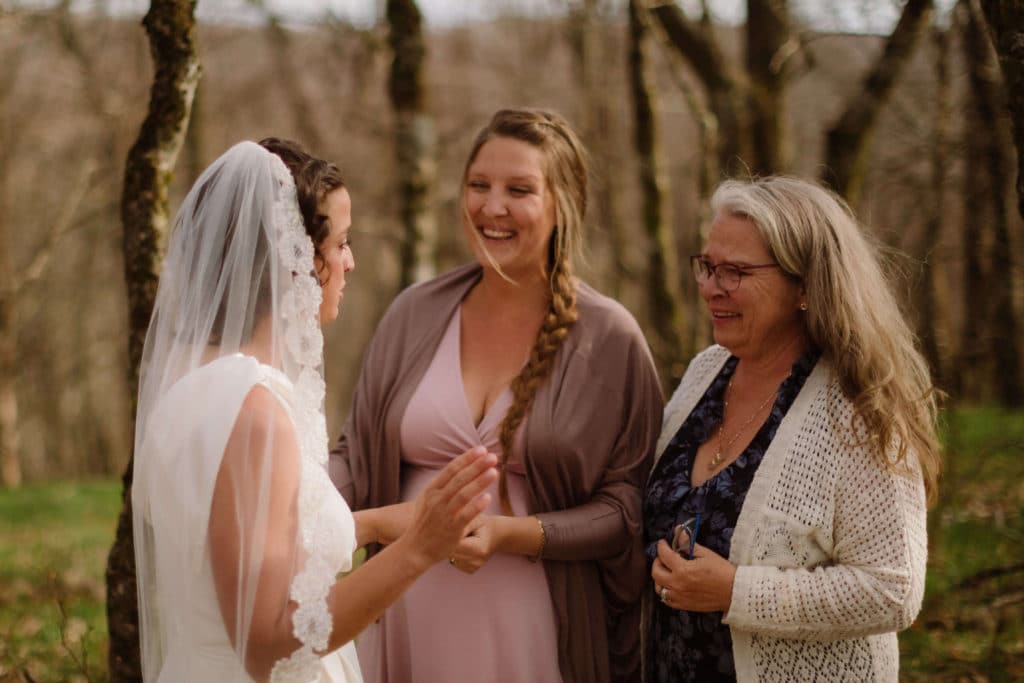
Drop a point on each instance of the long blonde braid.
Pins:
(566, 176)
(553, 332)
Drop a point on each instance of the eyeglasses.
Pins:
(727, 275)
(684, 536)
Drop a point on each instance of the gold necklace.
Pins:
(716, 459)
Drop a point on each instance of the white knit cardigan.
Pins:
(830, 545)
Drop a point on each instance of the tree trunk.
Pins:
(415, 142)
(584, 36)
(726, 86)
(195, 137)
(665, 310)
(933, 296)
(768, 40)
(10, 456)
(974, 360)
(10, 461)
(1001, 315)
(1006, 22)
(849, 139)
(697, 331)
(170, 25)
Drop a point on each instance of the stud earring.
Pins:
(803, 305)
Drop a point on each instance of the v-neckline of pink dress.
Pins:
(503, 612)
(499, 406)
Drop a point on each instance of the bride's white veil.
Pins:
(233, 356)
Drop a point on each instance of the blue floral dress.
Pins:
(697, 646)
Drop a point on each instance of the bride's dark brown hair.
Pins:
(314, 180)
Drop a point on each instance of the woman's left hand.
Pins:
(476, 548)
(703, 584)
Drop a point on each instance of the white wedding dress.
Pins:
(196, 417)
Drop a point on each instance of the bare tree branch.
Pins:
(1001, 317)
(289, 77)
(769, 44)
(96, 96)
(933, 321)
(58, 228)
(665, 310)
(1006, 23)
(726, 84)
(848, 140)
(697, 47)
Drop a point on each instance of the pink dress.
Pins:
(495, 625)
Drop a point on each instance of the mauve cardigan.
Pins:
(590, 440)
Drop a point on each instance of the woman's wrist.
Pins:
(367, 528)
(518, 535)
(416, 559)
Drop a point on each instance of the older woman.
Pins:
(801, 447)
(515, 353)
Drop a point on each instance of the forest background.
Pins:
(914, 126)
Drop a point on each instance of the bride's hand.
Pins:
(443, 514)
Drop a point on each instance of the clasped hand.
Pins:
(470, 554)
(447, 509)
(482, 536)
(478, 546)
(703, 584)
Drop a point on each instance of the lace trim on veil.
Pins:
(303, 343)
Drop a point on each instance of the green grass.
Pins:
(972, 629)
(54, 540)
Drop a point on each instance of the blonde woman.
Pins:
(515, 353)
(785, 515)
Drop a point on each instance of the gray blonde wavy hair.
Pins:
(853, 315)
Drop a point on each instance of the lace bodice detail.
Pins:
(201, 409)
(304, 342)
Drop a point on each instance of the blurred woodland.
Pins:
(936, 179)
(914, 128)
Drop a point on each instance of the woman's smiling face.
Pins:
(763, 312)
(509, 207)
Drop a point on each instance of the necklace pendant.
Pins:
(715, 460)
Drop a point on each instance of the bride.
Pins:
(240, 538)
